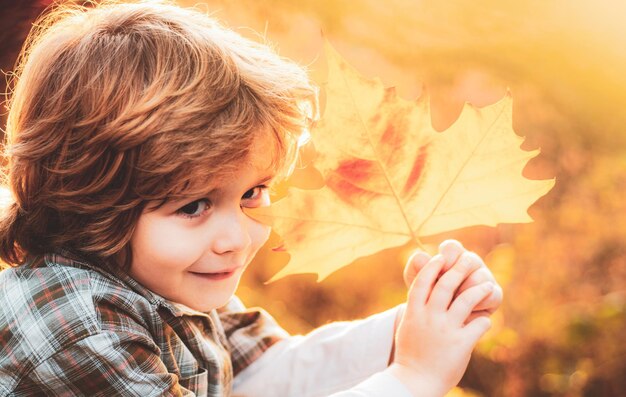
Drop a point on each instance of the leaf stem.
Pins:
(419, 243)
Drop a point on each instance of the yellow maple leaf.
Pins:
(390, 177)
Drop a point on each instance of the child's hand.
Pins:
(452, 251)
(436, 336)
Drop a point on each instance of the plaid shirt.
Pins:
(70, 329)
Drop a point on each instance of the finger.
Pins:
(462, 307)
(475, 314)
(483, 274)
(451, 280)
(422, 284)
(479, 276)
(416, 262)
(492, 302)
(451, 251)
(477, 328)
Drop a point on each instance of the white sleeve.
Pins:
(330, 359)
(382, 384)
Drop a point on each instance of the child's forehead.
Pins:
(257, 166)
(246, 174)
(263, 150)
(200, 178)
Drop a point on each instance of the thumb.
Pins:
(413, 266)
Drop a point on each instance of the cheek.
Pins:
(259, 233)
(162, 244)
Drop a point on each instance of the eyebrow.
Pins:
(260, 181)
(265, 179)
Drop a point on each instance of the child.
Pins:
(137, 136)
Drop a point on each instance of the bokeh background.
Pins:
(561, 329)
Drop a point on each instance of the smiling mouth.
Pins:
(215, 276)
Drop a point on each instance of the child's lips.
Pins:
(216, 276)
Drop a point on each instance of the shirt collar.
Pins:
(66, 258)
(187, 311)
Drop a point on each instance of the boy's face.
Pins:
(194, 252)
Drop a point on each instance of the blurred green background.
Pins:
(560, 329)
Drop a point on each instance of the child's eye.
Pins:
(194, 209)
(258, 196)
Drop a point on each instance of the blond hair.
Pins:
(117, 105)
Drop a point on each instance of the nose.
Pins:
(231, 232)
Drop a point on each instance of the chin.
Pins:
(213, 297)
(213, 303)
